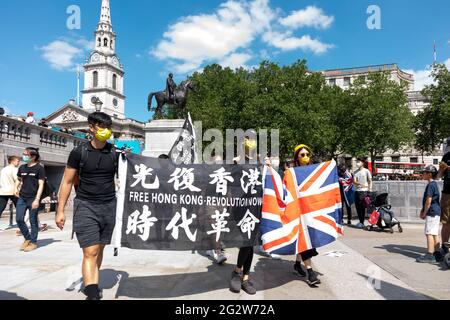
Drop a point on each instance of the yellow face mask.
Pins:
(104, 134)
(251, 144)
(304, 156)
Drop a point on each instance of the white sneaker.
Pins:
(211, 253)
(220, 258)
(275, 256)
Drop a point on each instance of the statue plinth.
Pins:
(160, 136)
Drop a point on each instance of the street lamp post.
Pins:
(98, 105)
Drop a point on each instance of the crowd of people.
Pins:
(92, 169)
(435, 205)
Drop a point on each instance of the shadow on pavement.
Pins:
(390, 291)
(46, 242)
(409, 251)
(4, 295)
(268, 274)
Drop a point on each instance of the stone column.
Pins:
(160, 136)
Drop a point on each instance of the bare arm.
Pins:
(442, 168)
(37, 200)
(425, 210)
(17, 186)
(64, 194)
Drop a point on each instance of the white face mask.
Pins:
(359, 164)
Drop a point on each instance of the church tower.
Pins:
(103, 72)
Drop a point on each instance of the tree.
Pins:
(432, 124)
(378, 118)
(288, 98)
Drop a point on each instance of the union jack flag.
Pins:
(302, 212)
(348, 187)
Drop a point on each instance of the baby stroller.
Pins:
(382, 217)
(447, 256)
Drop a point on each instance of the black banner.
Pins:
(195, 207)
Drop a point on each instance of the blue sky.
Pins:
(38, 53)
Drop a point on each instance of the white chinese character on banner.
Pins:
(183, 179)
(142, 173)
(248, 223)
(141, 222)
(221, 179)
(220, 224)
(185, 148)
(185, 223)
(250, 180)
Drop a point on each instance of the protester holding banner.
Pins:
(29, 189)
(240, 277)
(302, 157)
(95, 164)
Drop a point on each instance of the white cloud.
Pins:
(87, 45)
(423, 78)
(219, 37)
(236, 60)
(286, 42)
(309, 17)
(61, 54)
(65, 53)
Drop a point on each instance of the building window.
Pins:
(347, 81)
(379, 159)
(114, 82)
(414, 160)
(105, 42)
(396, 159)
(332, 82)
(99, 42)
(95, 79)
(436, 162)
(112, 44)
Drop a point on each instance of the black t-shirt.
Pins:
(446, 159)
(97, 176)
(30, 177)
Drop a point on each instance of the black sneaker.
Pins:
(248, 287)
(312, 278)
(298, 270)
(98, 296)
(236, 282)
(438, 256)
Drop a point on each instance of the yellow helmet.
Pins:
(301, 146)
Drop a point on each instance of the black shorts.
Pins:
(309, 254)
(94, 223)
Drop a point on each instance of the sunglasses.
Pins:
(304, 155)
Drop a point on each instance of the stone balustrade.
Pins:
(54, 146)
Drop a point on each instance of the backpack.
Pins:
(49, 190)
(83, 160)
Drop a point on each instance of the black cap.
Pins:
(430, 169)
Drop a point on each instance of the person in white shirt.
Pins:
(30, 118)
(363, 184)
(8, 178)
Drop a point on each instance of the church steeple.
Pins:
(103, 72)
(105, 36)
(106, 12)
(105, 17)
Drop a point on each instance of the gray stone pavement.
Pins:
(372, 266)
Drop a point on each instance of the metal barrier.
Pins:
(404, 196)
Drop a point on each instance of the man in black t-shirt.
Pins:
(29, 189)
(444, 171)
(95, 165)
